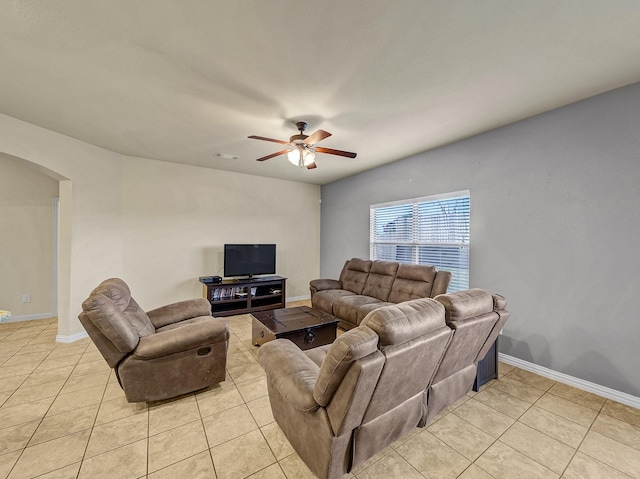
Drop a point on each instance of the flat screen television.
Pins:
(249, 259)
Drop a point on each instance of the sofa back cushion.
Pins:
(466, 304)
(413, 337)
(343, 352)
(354, 274)
(380, 280)
(472, 317)
(412, 281)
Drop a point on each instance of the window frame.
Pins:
(459, 226)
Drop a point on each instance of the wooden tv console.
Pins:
(241, 296)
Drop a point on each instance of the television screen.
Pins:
(249, 259)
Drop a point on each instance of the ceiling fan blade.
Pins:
(253, 137)
(311, 166)
(331, 151)
(317, 137)
(282, 152)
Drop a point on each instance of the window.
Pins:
(429, 230)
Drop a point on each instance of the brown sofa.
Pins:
(365, 285)
(166, 352)
(340, 404)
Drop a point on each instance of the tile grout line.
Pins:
(94, 419)
(242, 343)
(548, 390)
(582, 441)
(516, 420)
(600, 411)
(48, 409)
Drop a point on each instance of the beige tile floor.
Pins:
(63, 415)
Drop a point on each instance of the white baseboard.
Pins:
(70, 339)
(297, 298)
(27, 317)
(594, 388)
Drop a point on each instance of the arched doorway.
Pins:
(36, 257)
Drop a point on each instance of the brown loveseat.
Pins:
(166, 352)
(340, 404)
(365, 285)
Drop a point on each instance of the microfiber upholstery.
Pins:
(340, 404)
(474, 320)
(126, 318)
(413, 281)
(398, 323)
(167, 352)
(367, 285)
(380, 280)
(349, 347)
(347, 307)
(466, 304)
(354, 275)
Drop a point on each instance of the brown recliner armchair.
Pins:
(166, 352)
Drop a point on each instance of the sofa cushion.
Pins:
(365, 309)
(413, 337)
(346, 308)
(470, 335)
(466, 304)
(349, 347)
(324, 300)
(380, 280)
(354, 275)
(412, 281)
(318, 354)
(399, 323)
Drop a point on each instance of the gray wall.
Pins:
(555, 227)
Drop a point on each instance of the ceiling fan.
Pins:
(301, 149)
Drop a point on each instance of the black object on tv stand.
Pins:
(242, 296)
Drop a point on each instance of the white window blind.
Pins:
(430, 230)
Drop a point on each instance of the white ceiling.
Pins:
(180, 80)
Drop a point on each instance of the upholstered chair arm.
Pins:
(440, 283)
(176, 312)
(189, 336)
(290, 372)
(316, 285)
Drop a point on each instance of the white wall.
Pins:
(26, 233)
(177, 219)
(160, 225)
(90, 236)
(555, 223)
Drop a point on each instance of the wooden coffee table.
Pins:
(305, 326)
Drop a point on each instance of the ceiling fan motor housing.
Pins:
(301, 126)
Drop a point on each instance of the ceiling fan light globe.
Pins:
(294, 157)
(308, 157)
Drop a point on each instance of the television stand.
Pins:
(253, 279)
(242, 296)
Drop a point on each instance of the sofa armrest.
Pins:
(290, 372)
(176, 312)
(441, 283)
(322, 284)
(194, 335)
